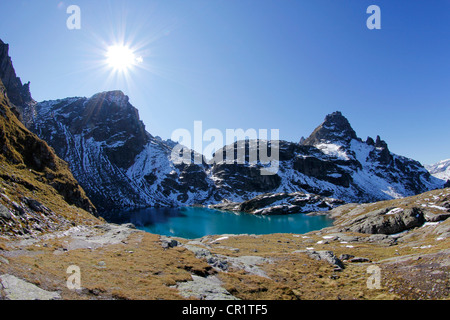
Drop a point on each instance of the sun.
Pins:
(121, 58)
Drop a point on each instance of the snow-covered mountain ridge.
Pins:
(440, 170)
(332, 162)
(121, 165)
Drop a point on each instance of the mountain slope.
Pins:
(121, 165)
(332, 162)
(114, 158)
(37, 191)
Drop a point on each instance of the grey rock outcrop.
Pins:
(168, 243)
(209, 288)
(18, 289)
(436, 217)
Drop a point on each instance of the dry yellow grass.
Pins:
(139, 269)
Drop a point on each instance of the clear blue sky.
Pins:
(251, 63)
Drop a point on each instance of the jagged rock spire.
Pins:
(18, 93)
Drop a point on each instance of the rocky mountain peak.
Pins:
(335, 128)
(116, 96)
(106, 106)
(108, 118)
(18, 94)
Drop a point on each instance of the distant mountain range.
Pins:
(440, 170)
(122, 166)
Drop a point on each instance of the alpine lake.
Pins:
(197, 222)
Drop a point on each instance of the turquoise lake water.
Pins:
(192, 223)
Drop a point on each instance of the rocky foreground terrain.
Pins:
(404, 241)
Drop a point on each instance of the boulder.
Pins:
(382, 222)
(359, 260)
(18, 289)
(4, 212)
(327, 256)
(346, 256)
(209, 288)
(436, 217)
(167, 243)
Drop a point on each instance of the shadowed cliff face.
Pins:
(115, 121)
(118, 163)
(107, 119)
